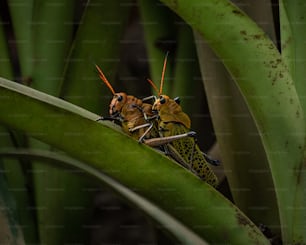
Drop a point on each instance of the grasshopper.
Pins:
(139, 121)
(135, 116)
(174, 129)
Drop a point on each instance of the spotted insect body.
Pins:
(173, 121)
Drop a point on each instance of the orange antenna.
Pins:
(103, 78)
(153, 85)
(163, 75)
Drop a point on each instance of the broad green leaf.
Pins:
(243, 156)
(162, 219)
(293, 35)
(257, 67)
(150, 174)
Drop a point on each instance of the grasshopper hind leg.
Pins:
(188, 148)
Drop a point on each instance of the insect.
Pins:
(174, 129)
(135, 116)
(138, 120)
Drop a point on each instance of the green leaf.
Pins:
(51, 37)
(13, 171)
(150, 174)
(97, 41)
(293, 35)
(18, 186)
(21, 15)
(10, 232)
(187, 83)
(163, 220)
(243, 156)
(90, 44)
(264, 80)
(157, 22)
(5, 62)
(52, 32)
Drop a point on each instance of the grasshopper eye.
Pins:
(120, 98)
(177, 100)
(162, 100)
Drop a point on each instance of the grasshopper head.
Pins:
(118, 101)
(160, 102)
(169, 110)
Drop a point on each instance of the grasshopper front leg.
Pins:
(117, 119)
(150, 123)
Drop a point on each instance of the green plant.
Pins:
(256, 103)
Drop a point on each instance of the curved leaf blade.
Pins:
(164, 220)
(152, 175)
(262, 76)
